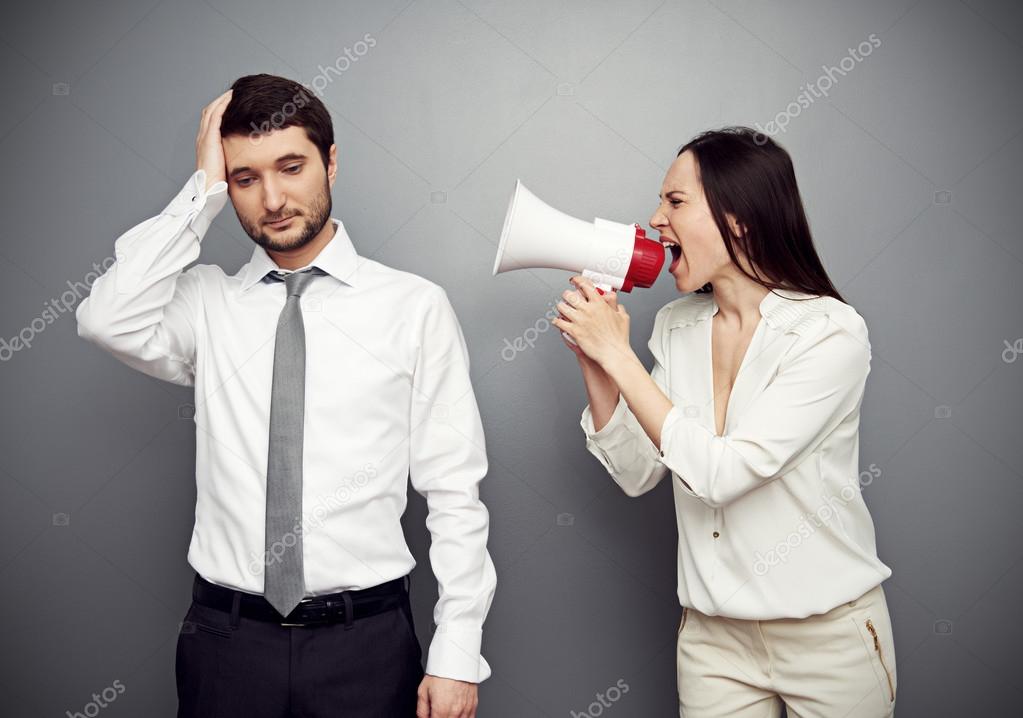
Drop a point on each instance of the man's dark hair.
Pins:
(263, 103)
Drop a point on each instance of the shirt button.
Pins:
(661, 453)
(716, 534)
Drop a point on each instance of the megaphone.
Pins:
(609, 254)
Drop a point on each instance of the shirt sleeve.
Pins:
(811, 394)
(446, 464)
(621, 445)
(143, 308)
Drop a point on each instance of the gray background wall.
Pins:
(908, 170)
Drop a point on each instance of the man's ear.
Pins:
(332, 164)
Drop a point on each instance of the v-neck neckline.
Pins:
(738, 374)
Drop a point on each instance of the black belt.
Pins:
(344, 606)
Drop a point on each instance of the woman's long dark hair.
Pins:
(746, 174)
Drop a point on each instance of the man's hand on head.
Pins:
(209, 149)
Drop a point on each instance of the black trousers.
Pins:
(229, 666)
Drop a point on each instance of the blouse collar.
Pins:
(780, 308)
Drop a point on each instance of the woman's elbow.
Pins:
(635, 484)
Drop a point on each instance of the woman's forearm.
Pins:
(601, 391)
(645, 399)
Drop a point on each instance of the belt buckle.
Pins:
(323, 618)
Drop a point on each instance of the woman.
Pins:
(753, 405)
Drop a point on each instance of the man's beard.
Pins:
(309, 225)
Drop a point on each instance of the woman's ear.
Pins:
(738, 230)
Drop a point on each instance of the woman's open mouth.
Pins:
(676, 252)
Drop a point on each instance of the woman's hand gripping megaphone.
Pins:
(592, 322)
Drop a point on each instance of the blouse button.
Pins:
(661, 453)
(716, 534)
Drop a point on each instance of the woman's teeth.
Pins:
(676, 252)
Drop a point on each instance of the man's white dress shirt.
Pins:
(388, 399)
(771, 519)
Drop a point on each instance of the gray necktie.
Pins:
(283, 582)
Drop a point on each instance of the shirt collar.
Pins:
(338, 258)
(779, 308)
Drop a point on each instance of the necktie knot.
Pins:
(296, 282)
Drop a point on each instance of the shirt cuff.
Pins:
(617, 419)
(197, 203)
(455, 653)
(615, 442)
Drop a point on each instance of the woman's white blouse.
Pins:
(771, 520)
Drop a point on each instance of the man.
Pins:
(323, 382)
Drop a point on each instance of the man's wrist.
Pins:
(445, 678)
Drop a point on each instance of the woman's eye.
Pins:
(674, 202)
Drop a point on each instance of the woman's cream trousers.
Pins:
(839, 664)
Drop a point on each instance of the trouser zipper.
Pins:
(877, 647)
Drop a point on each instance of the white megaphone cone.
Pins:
(609, 254)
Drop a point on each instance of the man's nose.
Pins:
(273, 199)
